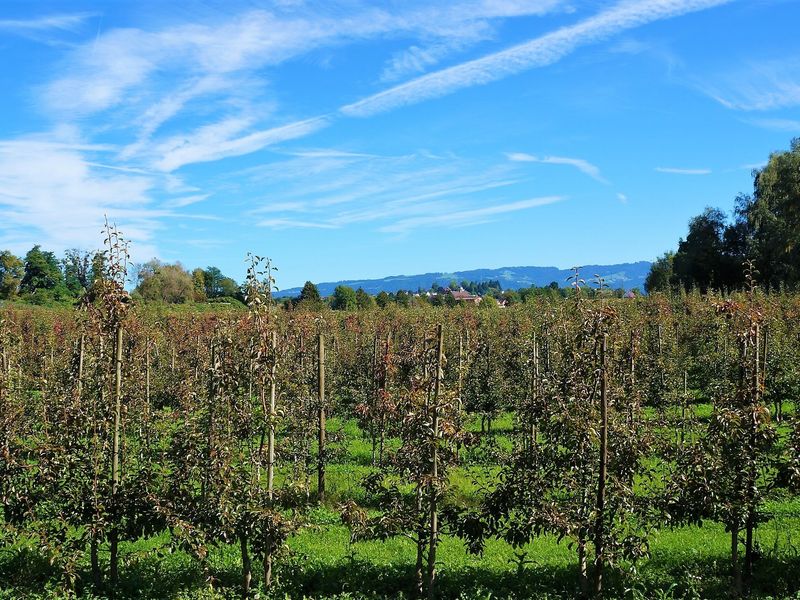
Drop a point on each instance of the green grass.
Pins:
(320, 562)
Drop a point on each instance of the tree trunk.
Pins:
(268, 570)
(418, 574)
(247, 565)
(95, 561)
(735, 568)
(583, 569)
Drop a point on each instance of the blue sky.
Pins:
(349, 139)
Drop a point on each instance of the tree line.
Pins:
(763, 228)
(40, 277)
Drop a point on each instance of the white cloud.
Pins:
(50, 194)
(758, 86)
(221, 140)
(448, 28)
(329, 153)
(622, 198)
(789, 125)
(293, 224)
(186, 201)
(147, 80)
(99, 75)
(582, 165)
(538, 52)
(680, 171)
(417, 59)
(40, 24)
(467, 217)
(167, 107)
(332, 188)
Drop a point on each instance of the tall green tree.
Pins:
(199, 285)
(363, 300)
(43, 278)
(165, 283)
(213, 282)
(344, 298)
(711, 256)
(77, 270)
(12, 270)
(382, 299)
(403, 298)
(772, 216)
(229, 288)
(309, 297)
(660, 277)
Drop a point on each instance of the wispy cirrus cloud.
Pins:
(582, 165)
(682, 171)
(757, 85)
(222, 140)
(63, 22)
(473, 216)
(393, 194)
(51, 194)
(215, 69)
(143, 80)
(461, 25)
(539, 52)
(186, 200)
(293, 224)
(788, 125)
(55, 189)
(98, 75)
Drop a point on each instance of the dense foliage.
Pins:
(764, 228)
(121, 422)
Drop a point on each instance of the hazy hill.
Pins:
(626, 275)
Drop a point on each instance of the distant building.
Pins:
(461, 295)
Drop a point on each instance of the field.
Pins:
(591, 446)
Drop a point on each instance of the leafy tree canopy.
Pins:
(12, 270)
(344, 298)
(160, 282)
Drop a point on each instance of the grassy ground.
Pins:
(685, 562)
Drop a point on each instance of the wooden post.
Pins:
(433, 493)
(272, 399)
(321, 400)
(750, 521)
(684, 402)
(599, 528)
(147, 393)
(115, 460)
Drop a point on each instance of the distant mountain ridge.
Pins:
(625, 275)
